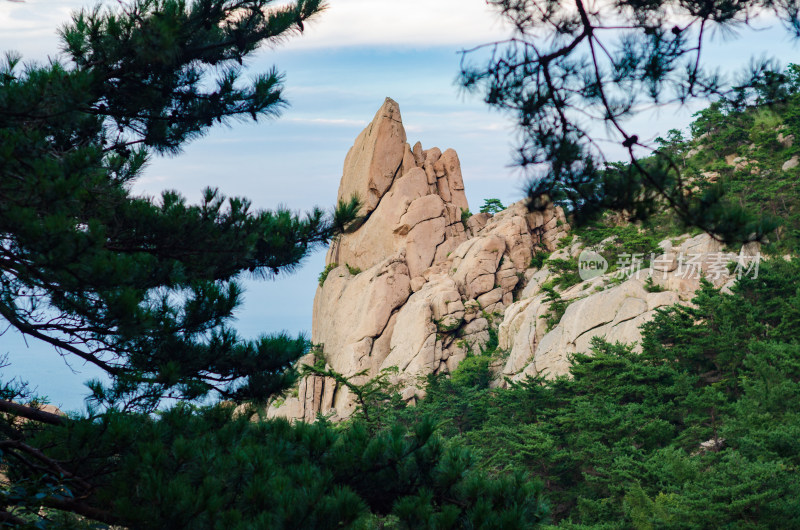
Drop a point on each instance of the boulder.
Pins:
(414, 338)
(475, 264)
(350, 311)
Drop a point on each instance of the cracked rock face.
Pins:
(375, 159)
(604, 307)
(412, 199)
(428, 285)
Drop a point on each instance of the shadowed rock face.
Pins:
(429, 283)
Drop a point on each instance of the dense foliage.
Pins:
(746, 152)
(572, 73)
(215, 467)
(700, 429)
(144, 288)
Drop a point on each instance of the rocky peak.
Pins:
(416, 285)
(376, 158)
(412, 199)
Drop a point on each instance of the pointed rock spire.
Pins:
(376, 158)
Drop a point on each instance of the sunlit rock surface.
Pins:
(418, 285)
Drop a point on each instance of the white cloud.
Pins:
(403, 23)
(30, 26)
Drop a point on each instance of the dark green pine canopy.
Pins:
(144, 288)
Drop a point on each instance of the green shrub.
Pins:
(447, 328)
(651, 287)
(465, 215)
(538, 259)
(324, 274)
(558, 307)
(473, 371)
(566, 273)
(566, 241)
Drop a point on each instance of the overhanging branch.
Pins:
(31, 413)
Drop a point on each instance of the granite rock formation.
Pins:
(419, 285)
(605, 306)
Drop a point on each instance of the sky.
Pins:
(337, 75)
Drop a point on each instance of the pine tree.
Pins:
(492, 206)
(699, 428)
(572, 75)
(144, 289)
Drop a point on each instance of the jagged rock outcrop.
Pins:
(412, 200)
(605, 307)
(415, 286)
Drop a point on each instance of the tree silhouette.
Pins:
(573, 70)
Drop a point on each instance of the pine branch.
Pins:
(28, 329)
(33, 414)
